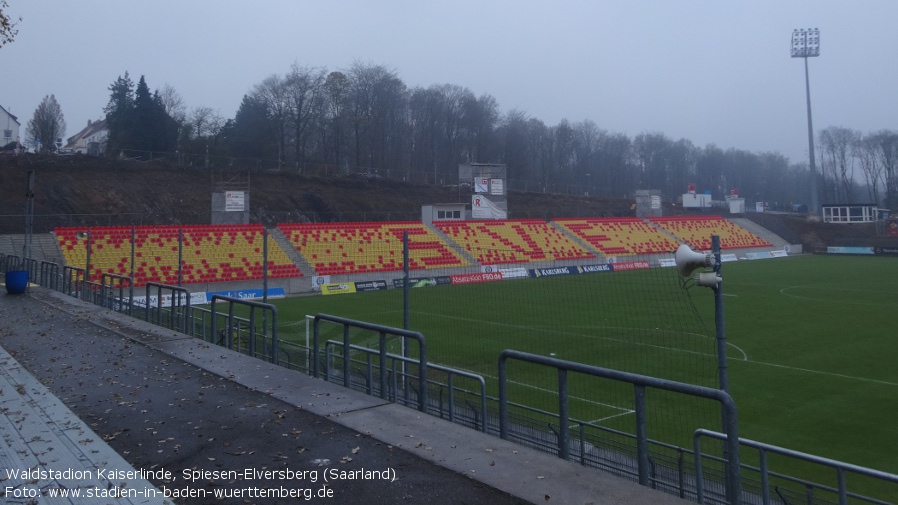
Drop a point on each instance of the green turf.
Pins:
(812, 355)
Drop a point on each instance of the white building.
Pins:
(9, 127)
(90, 140)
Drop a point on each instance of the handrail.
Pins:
(639, 382)
(450, 372)
(382, 332)
(273, 358)
(840, 466)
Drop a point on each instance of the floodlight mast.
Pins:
(806, 44)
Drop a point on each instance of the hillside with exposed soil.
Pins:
(81, 190)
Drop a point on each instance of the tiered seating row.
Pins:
(512, 241)
(360, 247)
(211, 253)
(697, 230)
(619, 236)
(234, 253)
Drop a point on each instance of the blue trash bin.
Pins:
(16, 281)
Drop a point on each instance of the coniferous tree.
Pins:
(120, 113)
(250, 134)
(137, 119)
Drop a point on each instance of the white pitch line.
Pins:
(831, 374)
(531, 386)
(611, 339)
(594, 421)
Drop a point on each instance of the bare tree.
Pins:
(272, 93)
(173, 103)
(334, 120)
(47, 125)
(864, 150)
(204, 122)
(303, 88)
(836, 144)
(8, 29)
(886, 142)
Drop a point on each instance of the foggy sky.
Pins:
(707, 71)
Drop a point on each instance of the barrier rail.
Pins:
(763, 449)
(176, 311)
(72, 281)
(451, 374)
(267, 308)
(640, 383)
(49, 275)
(382, 332)
(107, 291)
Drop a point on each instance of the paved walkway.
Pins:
(206, 425)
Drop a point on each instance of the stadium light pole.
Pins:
(806, 44)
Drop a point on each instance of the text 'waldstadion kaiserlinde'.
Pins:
(189, 483)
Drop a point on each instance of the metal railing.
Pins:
(178, 311)
(109, 284)
(396, 376)
(382, 332)
(230, 337)
(640, 383)
(840, 468)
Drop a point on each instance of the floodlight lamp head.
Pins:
(688, 261)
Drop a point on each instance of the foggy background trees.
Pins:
(365, 119)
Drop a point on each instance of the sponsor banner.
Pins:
(630, 265)
(337, 288)
(235, 201)
(247, 294)
(779, 254)
(320, 280)
(423, 282)
(198, 298)
(667, 262)
(370, 285)
(548, 272)
(591, 269)
(514, 273)
(849, 250)
(758, 255)
(475, 278)
(483, 208)
(888, 251)
(728, 257)
(507, 273)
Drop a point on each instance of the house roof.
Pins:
(14, 118)
(91, 128)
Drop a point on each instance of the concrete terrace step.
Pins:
(41, 435)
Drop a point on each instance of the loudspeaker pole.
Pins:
(722, 374)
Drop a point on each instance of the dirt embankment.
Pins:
(81, 190)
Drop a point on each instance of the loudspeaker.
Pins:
(688, 260)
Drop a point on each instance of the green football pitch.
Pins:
(812, 345)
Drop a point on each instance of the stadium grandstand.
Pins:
(234, 253)
(363, 247)
(512, 241)
(697, 230)
(626, 236)
(209, 253)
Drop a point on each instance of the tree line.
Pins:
(366, 116)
